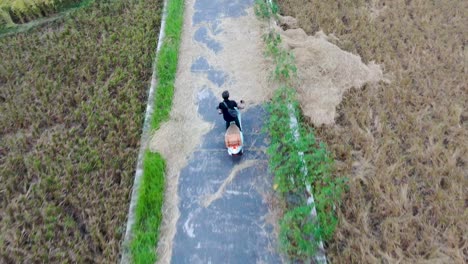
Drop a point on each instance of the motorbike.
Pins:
(233, 138)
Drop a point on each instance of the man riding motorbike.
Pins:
(227, 106)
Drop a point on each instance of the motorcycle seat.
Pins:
(232, 137)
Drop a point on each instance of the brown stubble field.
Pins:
(403, 144)
(72, 101)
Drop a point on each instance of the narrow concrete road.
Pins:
(223, 201)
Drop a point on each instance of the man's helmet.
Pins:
(225, 94)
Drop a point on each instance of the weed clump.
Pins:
(264, 10)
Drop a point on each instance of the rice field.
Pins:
(14, 12)
(72, 99)
(402, 144)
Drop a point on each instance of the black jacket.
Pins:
(231, 104)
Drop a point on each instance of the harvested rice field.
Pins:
(72, 99)
(403, 140)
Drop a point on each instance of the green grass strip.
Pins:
(148, 209)
(150, 197)
(166, 67)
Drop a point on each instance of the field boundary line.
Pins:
(144, 137)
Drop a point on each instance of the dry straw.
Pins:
(402, 143)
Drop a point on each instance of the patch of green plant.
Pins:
(285, 67)
(166, 67)
(149, 203)
(148, 209)
(283, 141)
(296, 231)
(298, 160)
(264, 10)
(272, 41)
